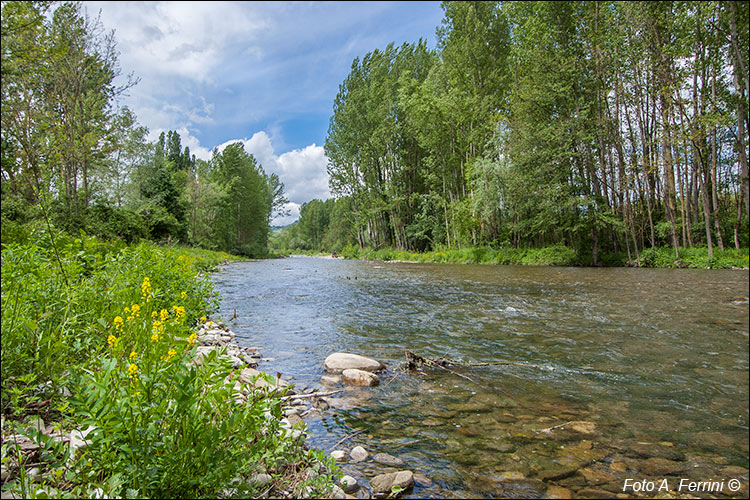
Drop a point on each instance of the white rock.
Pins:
(358, 454)
(340, 361)
(359, 377)
(337, 493)
(349, 484)
(261, 478)
(338, 455)
(330, 380)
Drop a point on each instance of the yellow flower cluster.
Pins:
(112, 341)
(179, 313)
(192, 338)
(203, 319)
(117, 322)
(164, 315)
(133, 371)
(133, 355)
(183, 295)
(170, 354)
(157, 329)
(146, 289)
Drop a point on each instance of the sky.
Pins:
(264, 73)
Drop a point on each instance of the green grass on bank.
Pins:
(561, 256)
(100, 333)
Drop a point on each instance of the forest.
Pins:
(74, 159)
(598, 126)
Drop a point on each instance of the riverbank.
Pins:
(663, 257)
(100, 340)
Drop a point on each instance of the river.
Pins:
(627, 373)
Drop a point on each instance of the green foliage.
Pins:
(57, 290)
(112, 323)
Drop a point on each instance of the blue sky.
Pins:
(265, 73)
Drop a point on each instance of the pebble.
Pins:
(338, 455)
(386, 459)
(359, 454)
(349, 484)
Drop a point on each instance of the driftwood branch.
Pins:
(311, 395)
(348, 436)
(414, 362)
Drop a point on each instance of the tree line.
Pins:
(73, 159)
(602, 126)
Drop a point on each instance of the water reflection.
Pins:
(646, 356)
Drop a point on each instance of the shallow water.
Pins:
(655, 359)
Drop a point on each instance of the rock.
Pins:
(594, 493)
(337, 493)
(422, 479)
(330, 380)
(24, 442)
(359, 454)
(359, 377)
(382, 485)
(4, 473)
(295, 419)
(34, 474)
(595, 476)
(559, 492)
(78, 439)
(649, 450)
(510, 476)
(340, 361)
(557, 473)
(662, 467)
(339, 455)
(261, 478)
(247, 374)
(201, 352)
(582, 426)
(349, 484)
(35, 423)
(386, 459)
(290, 411)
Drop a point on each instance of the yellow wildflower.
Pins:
(133, 355)
(153, 314)
(192, 338)
(183, 295)
(117, 322)
(170, 354)
(179, 312)
(146, 289)
(136, 310)
(155, 337)
(127, 309)
(203, 319)
(112, 341)
(133, 370)
(164, 315)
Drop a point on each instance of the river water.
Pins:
(619, 373)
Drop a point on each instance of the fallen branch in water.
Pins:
(414, 362)
(349, 436)
(311, 395)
